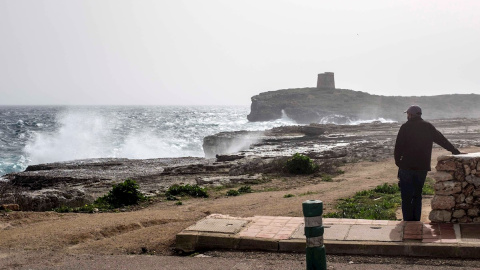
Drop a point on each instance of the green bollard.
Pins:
(316, 255)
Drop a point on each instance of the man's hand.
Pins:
(457, 152)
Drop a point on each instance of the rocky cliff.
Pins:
(314, 105)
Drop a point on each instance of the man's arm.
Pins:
(439, 139)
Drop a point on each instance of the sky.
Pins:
(218, 52)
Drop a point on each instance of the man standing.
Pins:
(413, 154)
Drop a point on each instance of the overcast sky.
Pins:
(172, 52)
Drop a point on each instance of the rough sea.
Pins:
(42, 134)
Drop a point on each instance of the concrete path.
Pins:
(342, 236)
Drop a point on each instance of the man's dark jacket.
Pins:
(413, 148)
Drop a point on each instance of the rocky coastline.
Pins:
(330, 105)
(231, 158)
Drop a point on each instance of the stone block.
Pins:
(448, 188)
(446, 165)
(442, 176)
(467, 169)
(440, 216)
(468, 190)
(473, 180)
(460, 198)
(478, 166)
(459, 213)
(469, 200)
(463, 206)
(476, 193)
(459, 174)
(443, 202)
(464, 219)
(473, 212)
(476, 220)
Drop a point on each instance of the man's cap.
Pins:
(414, 109)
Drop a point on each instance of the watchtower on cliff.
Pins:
(326, 80)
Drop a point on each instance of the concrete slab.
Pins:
(375, 233)
(470, 232)
(332, 232)
(219, 225)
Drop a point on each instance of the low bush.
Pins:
(288, 195)
(187, 190)
(301, 164)
(245, 189)
(233, 192)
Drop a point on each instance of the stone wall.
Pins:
(457, 189)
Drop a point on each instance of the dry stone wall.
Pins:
(457, 189)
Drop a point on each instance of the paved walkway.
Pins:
(342, 236)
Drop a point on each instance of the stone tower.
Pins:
(326, 80)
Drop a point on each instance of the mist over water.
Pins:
(33, 135)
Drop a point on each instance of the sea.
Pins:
(43, 134)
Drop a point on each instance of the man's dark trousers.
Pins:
(411, 185)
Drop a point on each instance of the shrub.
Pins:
(233, 192)
(122, 194)
(190, 190)
(288, 195)
(245, 189)
(300, 164)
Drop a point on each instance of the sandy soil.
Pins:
(154, 227)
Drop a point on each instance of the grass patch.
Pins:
(380, 203)
(428, 187)
(327, 178)
(288, 195)
(307, 193)
(241, 190)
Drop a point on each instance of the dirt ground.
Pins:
(153, 228)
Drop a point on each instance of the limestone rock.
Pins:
(446, 165)
(440, 216)
(448, 188)
(458, 213)
(443, 202)
(464, 219)
(460, 198)
(442, 176)
(473, 180)
(473, 212)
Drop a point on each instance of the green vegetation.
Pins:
(288, 195)
(307, 193)
(378, 203)
(245, 189)
(186, 190)
(241, 190)
(301, 164)
(179, 203)
(327, 178)
(122, 194)
(233, 192)
(428, 187)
